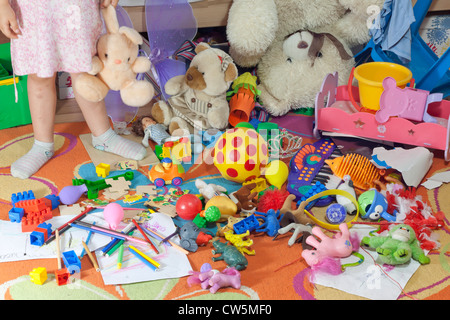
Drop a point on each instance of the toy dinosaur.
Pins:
(238, 241)
(230, 254)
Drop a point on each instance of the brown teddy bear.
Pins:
(198, 98)
(116, 66)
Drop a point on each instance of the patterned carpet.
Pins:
(274, 273)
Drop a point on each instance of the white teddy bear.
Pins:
(296, 43)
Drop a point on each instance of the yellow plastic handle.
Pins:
(8, 82)
(332, 192)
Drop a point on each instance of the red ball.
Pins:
(188, 206)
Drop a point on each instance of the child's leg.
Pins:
(42, 101)
(103, 137)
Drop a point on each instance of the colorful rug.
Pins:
(274, 273)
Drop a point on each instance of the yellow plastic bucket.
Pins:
(370, 78)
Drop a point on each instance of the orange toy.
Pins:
(243, 100)
(362, 172)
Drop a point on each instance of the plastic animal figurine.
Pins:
(213, 279)
(238, 241)
(298, 228)
(230, 254)
(326, 250)
(192, 236)
(398, 247)
(271, 222)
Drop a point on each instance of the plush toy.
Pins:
(198, 98)
(296, 43)
(116, 65)
(398, 247)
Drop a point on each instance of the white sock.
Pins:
(31, 162)
(112, 142)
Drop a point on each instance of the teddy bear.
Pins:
(116, 65)
(294, 44)
(198, 98)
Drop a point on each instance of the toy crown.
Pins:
(284, 144)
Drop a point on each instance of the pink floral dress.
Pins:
(57, 35)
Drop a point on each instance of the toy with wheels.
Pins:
(166, 172)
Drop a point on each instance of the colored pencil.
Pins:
(91, 257)
(113, 233)
(114, 242)
(145, 261)
(58, 249)
(79, 226)
(120, 257)
(153, 262)
(145, 236)
(169, 241)
(66, 226)
(87, 241)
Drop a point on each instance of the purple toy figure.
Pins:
(213, 279)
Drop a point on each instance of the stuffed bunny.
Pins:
(116, 65)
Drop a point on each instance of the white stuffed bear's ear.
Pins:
(111, 21)
(131, 34)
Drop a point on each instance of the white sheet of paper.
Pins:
(368, 280)
(15, 244)
(412, 163)
(174, 264)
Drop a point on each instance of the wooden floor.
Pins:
(69, 111)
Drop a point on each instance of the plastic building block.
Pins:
(62, 277)
(20, 196)
(52, 201)
(315, 189)
(30, 206)
(250, 223)
(102, 170)
(41, 234)
(16, 214)
(38, 275)
(71, 261)
(32, 220)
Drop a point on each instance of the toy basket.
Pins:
(11, 113)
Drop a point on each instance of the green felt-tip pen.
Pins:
(120, 257)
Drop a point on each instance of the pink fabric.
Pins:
(58, 35)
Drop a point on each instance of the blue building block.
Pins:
(250, 223)
(20, 196)
(41, 234)
(71, 261)
(16, 214)
(315, 189)
(54, 199)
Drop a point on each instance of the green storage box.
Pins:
(12, 114)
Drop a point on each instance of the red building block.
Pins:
(32, 220)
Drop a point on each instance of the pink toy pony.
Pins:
(213, 279)
(323, 258)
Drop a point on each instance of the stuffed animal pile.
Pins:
(295, 43)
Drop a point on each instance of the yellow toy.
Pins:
(238, 241)
(38, 275)
(179, 150)
(276, 173)
(240, 154)
(102, 170)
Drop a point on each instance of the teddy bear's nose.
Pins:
(117, 61)
(302, 45)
